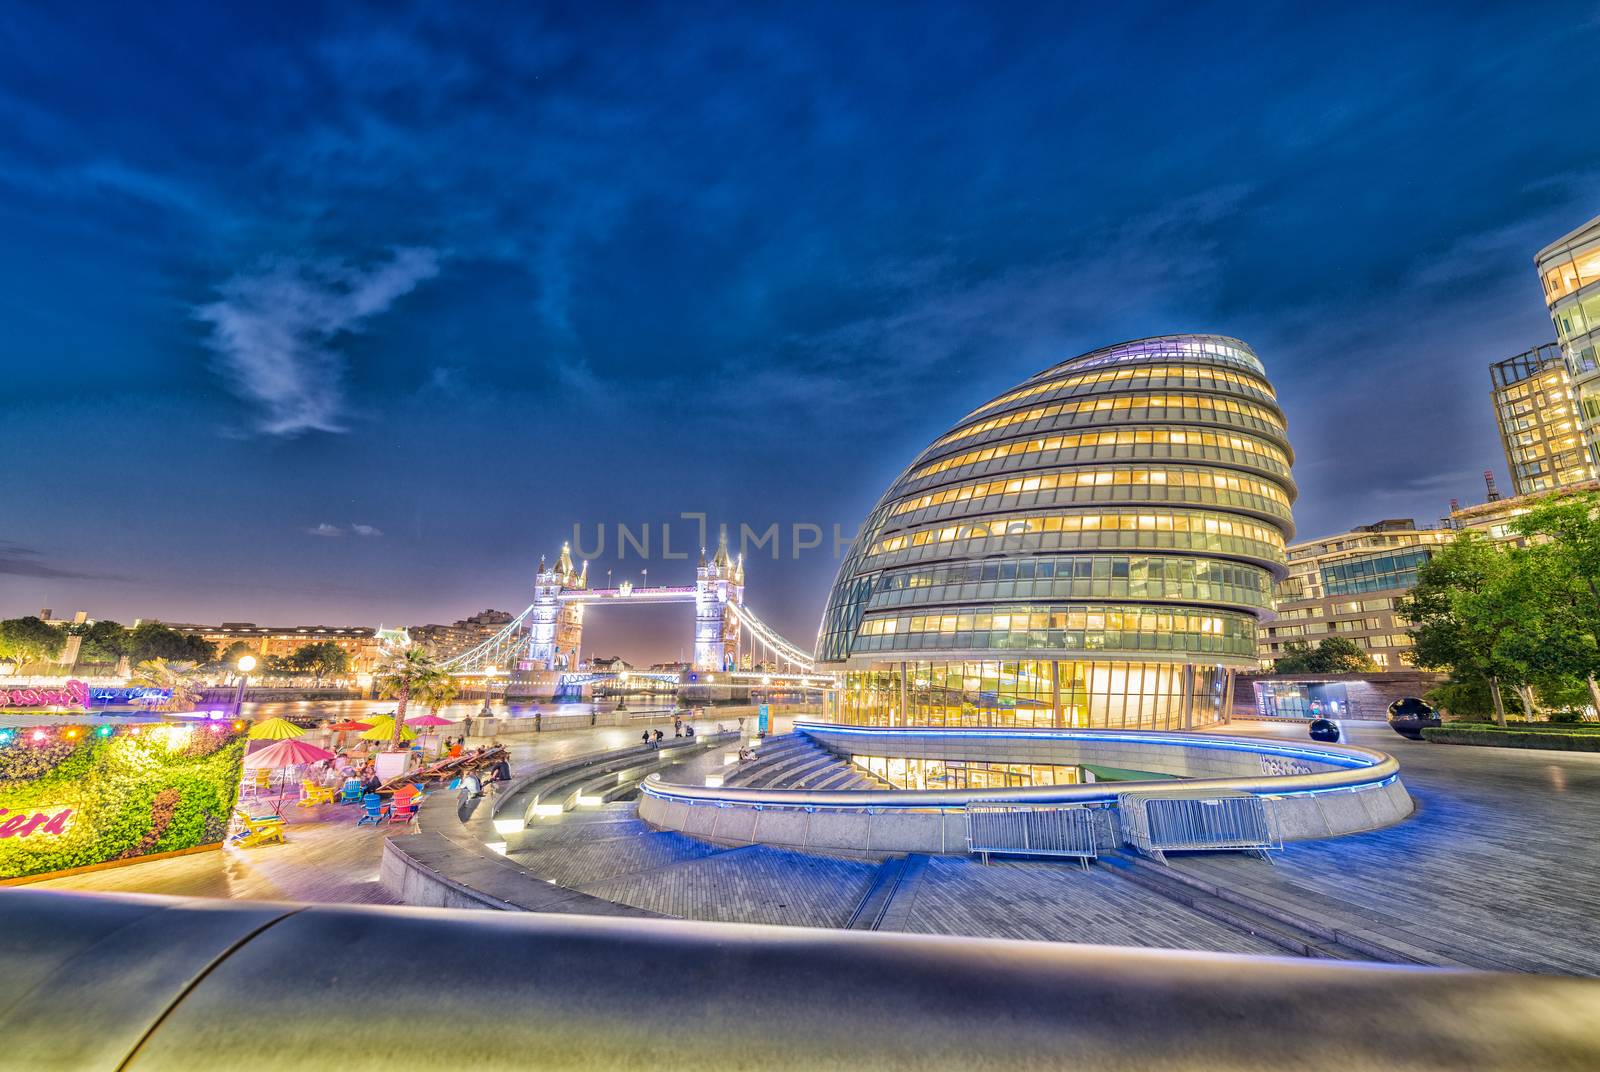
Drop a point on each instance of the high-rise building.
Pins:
(1096, 547)
(1347, 586)
(1569, 269)
(1536, 408)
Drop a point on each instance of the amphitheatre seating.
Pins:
(795, 761)
(608, 775)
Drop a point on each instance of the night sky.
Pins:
(346, 318)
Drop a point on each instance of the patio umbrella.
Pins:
(383, 729)
(430, 720)
(282, 755)
(274, 729)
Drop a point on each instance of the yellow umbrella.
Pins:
(274, 729)
(383, 730)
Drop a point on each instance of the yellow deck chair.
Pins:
(261, 783)
(312, 794)
(256, 830)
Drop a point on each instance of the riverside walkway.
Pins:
(1491, 872)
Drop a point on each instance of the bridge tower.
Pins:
(717, 585)
(556, 634)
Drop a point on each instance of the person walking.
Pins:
(645, 736)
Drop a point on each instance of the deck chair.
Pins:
(312, 794)
(404, 812)
(262, 782)
(351, 793)
(376, 810)
(256, 830)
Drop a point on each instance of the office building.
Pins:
(1095, 547)
(1536, 407)
(1569, 270)
(1347, 586)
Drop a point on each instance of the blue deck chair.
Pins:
(376, 812)
(351, 793)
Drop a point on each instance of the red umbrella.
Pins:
(283, 754)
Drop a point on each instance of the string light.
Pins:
(38, 735)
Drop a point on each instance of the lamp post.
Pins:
(488, 683)
(245, 664)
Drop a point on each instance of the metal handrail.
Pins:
(141, 983)
(1368, 768)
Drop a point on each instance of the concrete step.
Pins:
(1299, 937)
(787, 774)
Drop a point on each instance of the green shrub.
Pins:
(1494, 736)
(1566, 716)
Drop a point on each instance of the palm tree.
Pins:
(160, 674)
(437, 692)
(405, 672)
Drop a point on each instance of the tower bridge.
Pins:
(540, 647)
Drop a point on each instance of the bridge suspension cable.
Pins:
(774, 641)
(501, 650)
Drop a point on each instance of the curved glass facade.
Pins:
(1570, 271)
(1094, 547)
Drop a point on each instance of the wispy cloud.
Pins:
(274, 333)
(334, 531)
(17, 560)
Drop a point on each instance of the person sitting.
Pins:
(688, 731)
(501, 771)
(370, 782)
(455, 750)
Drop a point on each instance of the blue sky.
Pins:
(349, 316)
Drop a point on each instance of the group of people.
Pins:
(680, 728)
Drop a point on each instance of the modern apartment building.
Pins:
(1347, 585)
(1536, 408)
(1569, 270)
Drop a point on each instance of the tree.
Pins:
(1334, 655)
(234, 652)
(403, 673)
(30, 640)
(320, 659)
(1568, 533)
(104, 641)
(152, 640)
(437, 692)
(1473, 613)
(160, 674)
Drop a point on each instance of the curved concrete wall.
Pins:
(1312, 790)
(101, 982)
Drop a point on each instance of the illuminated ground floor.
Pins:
(1038, 693)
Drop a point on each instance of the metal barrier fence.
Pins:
(1157, 824)
(1024, 830)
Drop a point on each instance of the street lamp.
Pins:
(488, 682)
(245, 664)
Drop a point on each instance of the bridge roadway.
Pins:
(1492, 871)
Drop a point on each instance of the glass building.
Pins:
(1093, 548)
(1536, 408)
(1569, 269)
(1349, 586)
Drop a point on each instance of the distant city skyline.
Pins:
(348, 318)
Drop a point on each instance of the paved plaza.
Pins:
(1492, 871)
